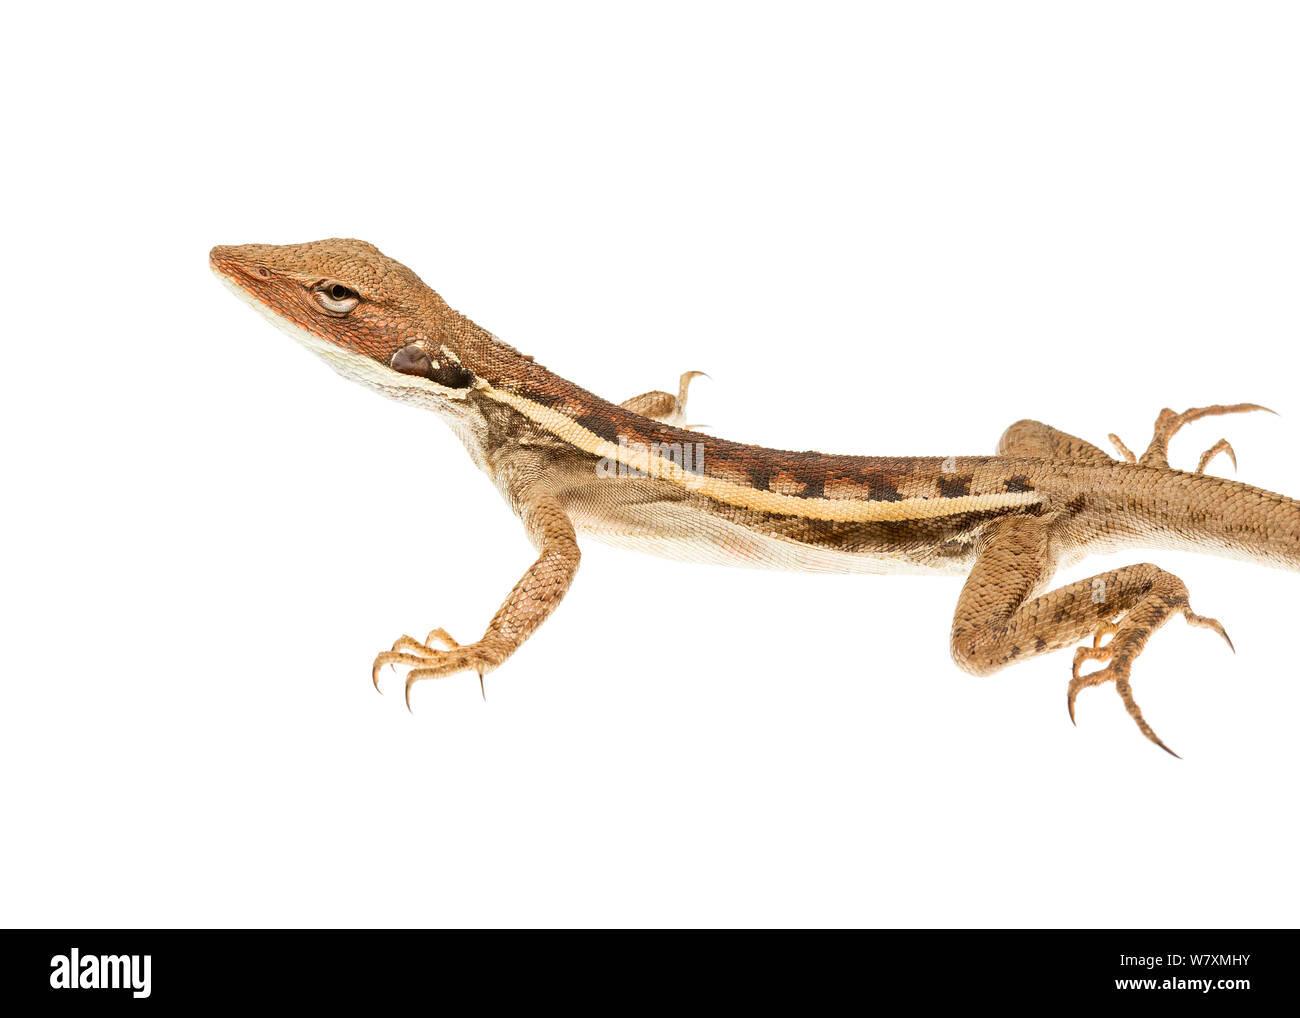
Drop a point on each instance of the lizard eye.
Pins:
(336, 298)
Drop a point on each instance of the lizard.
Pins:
(634, 475)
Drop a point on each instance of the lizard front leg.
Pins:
(1001, 617)
(526, 607)
(662, 406)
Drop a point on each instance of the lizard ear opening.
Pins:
(412, 360)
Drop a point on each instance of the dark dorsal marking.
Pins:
(760, 475)
(954, 487)
(882, 489)
(600, 424)
(1017, 483)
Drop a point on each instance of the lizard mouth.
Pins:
(223, 263)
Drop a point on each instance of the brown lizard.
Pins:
(568, 462)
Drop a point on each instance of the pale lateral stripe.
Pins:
(744, 496)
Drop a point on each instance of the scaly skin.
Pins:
(569, 462)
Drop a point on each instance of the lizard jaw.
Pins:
(353, 366)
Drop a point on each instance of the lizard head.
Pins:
(369, 317)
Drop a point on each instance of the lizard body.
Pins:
(631, 474)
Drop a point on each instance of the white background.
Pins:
(890, 229)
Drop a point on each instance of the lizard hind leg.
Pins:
(1001, 618)
(1036, 439)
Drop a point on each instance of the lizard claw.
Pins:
(1078, 682)
(1221, 445)
(1126, 694)
(394, 658)
(1208, 623)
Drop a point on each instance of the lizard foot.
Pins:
(1127, 638)
(664, 406)
(1117, 671)
(1169, 423)
(429, 662)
